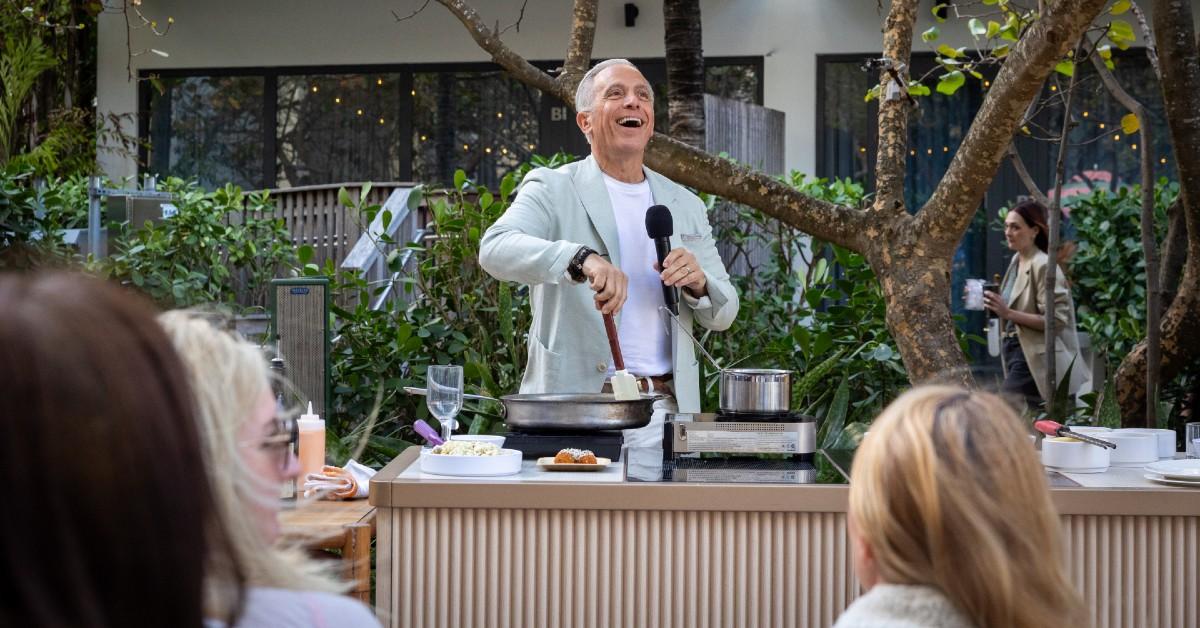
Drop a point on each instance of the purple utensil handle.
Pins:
(428, 433)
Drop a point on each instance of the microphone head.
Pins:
(658, 222)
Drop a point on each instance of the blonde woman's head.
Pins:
(246, 447)
(947, 491)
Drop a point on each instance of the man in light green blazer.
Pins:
(576, 236)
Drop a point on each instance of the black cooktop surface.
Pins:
(647, 465)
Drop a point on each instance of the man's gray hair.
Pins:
(585, 94)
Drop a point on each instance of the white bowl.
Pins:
(507, 463)
(1133, 449)
(1074, 456)
(1166, 439)
(480, 438)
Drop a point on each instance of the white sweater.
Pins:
(903, 606)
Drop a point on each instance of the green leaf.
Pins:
(1105, 51)
(931, 34)
(1066, 67)
(993, 29)
(1130, 124)
(507, 184)
(937, 10)
(1001, 51)
(990, 2)
(948, 52)
(975, 25)
(950, 82)
(918, 89)
(1119, 7)
(344, 197)
(486, 200)
(835, 420)
(304, 254)
(460, 179)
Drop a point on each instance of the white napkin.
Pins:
(351, 482)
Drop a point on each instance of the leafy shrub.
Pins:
(1108, 269)
(33, 216)
(220, 244)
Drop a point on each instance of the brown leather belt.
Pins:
(650, 383)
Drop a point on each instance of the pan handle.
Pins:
(699, 346)
(413, 390)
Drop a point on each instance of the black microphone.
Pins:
(659, 227)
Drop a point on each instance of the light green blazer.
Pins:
(554, 213)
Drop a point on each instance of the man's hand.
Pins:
(681, 269)
(610, 284)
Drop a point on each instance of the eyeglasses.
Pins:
(283, 440)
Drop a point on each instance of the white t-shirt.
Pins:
(645, 344)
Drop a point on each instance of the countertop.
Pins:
(401, 484)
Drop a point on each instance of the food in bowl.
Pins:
(575, 456)
(466, 448)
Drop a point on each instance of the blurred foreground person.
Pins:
(951, 522)
(249, 449)
(109, 518)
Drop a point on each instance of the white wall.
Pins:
(220, 33)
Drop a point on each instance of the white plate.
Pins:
(1158, 478)
(1177, 469)
(548, 464)
(1078, 469)
(507, 463)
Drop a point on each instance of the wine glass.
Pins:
(445, 396)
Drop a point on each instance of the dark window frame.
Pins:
(271, 75)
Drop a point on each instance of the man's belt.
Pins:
(650, 384)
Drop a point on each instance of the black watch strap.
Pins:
(575, 268)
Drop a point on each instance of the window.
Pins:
(285, 127)
(208, 128)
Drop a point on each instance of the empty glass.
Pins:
(445, 395)
(1191, 440)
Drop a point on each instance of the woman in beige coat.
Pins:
(1021, 307)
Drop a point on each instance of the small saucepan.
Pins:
(748, 391)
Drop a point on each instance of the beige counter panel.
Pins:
(609, 553)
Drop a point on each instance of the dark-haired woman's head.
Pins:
(1025, 226)
(110, 516)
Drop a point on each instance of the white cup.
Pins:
(1133, 449)
(1166, 439)
(973, 291)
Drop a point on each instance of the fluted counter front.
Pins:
(598, 550)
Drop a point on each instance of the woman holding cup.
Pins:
(1020, 305)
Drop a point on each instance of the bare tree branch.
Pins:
(579, 48)
(1149, 246)
(894, 106)
(517, 24)
(504, 56)
(949, 210)
(688, 165)
(401, 18)
(1147, 37)
(1026, 178)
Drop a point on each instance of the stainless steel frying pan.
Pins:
(569, 411)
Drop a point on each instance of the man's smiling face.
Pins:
(621, 121)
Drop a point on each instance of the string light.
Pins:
(531, 147)
(1101, 125)
(359, 112)
(913, 153)
(1134, 147)
(381, 121)
(1085, 114)
(379, 81)
(945, 149)
(1054, 88)
(928, 151)
(1163, 160)
(338, 100)
(414, 92)
(503, 151)
(862, 149)
(499, 114)
(465, 147)
(1116, 138)
(422, 138)
(314, 89)
(987, 84)
(488, 150)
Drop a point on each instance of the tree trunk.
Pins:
(916, 291)
(1179, 60)
(1174, 252)
(685, 71)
